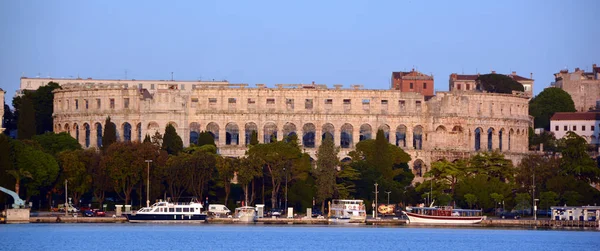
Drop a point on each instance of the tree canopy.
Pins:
(548, 102)
(110, 133)
(53, 143)
(172, 143)
(26, 124)
(499, 83)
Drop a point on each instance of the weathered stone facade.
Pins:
(450, 125)
(584, 87)
(413, 81)
(462, 82)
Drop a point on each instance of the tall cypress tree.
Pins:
(147, 139)
(110, 133)
(254, 138)
(172, 143)
(26, 124)
(327, 162)
(205, 138)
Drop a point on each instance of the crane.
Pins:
(19, 203)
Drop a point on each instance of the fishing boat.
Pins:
(245, 214)
(347, 211)
(168, 212)
(442, 215)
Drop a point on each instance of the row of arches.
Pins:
(92, 135)
(307, 134)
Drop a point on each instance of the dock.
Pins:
(540, 223)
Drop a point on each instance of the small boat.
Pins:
(245, 214)
(168, 212)
(347, 211)
(442, 215)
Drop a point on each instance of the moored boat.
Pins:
(347, 211)
(442, 215)
(246, 214)
(168, 212)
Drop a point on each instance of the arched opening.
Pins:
(346, 136)
(194, 132)
(418, 168)
(139, 132)
(386, 131)
(418, 137)
(346, 160)
(152, 128)
(289, 129)
(365, 132)
(68, 129)
(76, 128)
(86, 127)
(477, 139)
(58, 128)
(401, 136)
(98, 135)
(500, 133)
(126, 132)
(270, 132)
(327, 130)
(308, 135)
(232, 134)
(249, 128)
(490, 138)
(213, 129)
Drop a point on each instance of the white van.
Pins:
(218, 209)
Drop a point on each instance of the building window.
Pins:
(574, 128)
(329, 101)
(289, 103)
(593, 128)
(87, 104)
(77, 104)
(411, 85)
(231, 100)
(418, 103)
(458, 86)
(126, 103)
(308, 104)
(366, 101)
(182, 87)
(402, 105)
(270, 101)
(212, 100)
(140, 86)
(583, 128)
(112, 103)
(468, 87)
(424, 85)
(565, 128)
(98, 104)
(347, 101)
(251, 101)
(384, 102)
(556, 128)
(152, 87)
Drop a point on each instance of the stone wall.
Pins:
(450, 125)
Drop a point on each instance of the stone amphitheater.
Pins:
(451, 125)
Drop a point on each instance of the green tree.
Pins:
(572, 198)
(55, 143)
(226, 171)
(325, 173)
(147, 139)
(254, 138)
(499, 83)
(172, 143)
(575, 160)
(26, 125)
(346, 181)
(175, 174)
(523, 201)
(248, 171)
(471, 199)
(41, 166)
(100, 182)
(447, 172)
(201, 169)
(548, 102)
(206, 138)
(481, 185)
(110, 134)
(75, 172)
(497, 198)
(493, 164)
(548, 199)
(43, 102)
(157, 139)
(10, 120)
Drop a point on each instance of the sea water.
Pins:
(91, 237)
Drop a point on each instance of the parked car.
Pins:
(88, 213)
(71, 208)
(99, 213)
(316, 212)
(84, 208)
(509, 215)
(218, 209)
(275, 212)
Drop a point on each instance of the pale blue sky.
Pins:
(330, 42)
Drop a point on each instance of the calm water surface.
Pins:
(260, 237)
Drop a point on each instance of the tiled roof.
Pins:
(400, 74)
(519, 78)
(576, 116)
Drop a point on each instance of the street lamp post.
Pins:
(66, 200)
(375, 207)
(286, 189)
(148, 183)
(388, 193)
(534, 209)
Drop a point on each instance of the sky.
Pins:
(271, 42)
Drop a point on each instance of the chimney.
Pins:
(493, 72)
(514, 73)
(531, 75)
(576, 69)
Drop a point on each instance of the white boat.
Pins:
(443, 215)
(347, 211)
(168, 212)
(246, 214)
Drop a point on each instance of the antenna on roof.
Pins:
(171, 76)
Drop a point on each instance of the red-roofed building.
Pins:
(584, 124)
(413, 81)
(462, 82)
